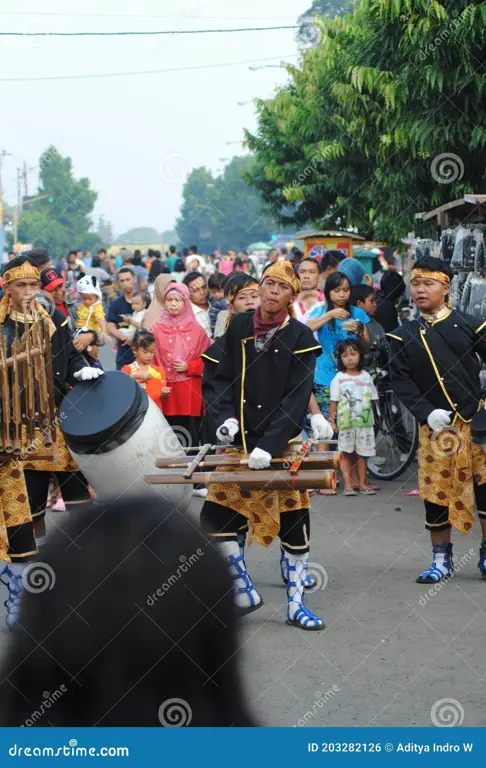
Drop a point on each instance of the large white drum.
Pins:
(115, 433)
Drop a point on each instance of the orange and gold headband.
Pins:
(428, 274)
(232, 294)
(25, 271)
(283, 270)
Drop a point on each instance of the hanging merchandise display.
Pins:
(447, 245)
(464, 249)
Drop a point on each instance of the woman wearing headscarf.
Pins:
(156, 307)
(179, 344)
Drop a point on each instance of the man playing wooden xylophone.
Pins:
(260, 390)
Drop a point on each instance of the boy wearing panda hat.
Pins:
(90, 315)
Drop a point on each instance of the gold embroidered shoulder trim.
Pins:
(480, 327)
(209, 358)
(309, 349)
(65, 322)
(398, 338)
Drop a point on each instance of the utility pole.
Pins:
(3, 154)
(18, 207)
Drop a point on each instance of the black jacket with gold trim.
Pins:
(65, 360)
(437, 365)
(268, 392)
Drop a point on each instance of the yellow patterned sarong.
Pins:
(14, 504)
(65, 461)
(449, 465)
(261, 508)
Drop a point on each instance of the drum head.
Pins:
(94, 412)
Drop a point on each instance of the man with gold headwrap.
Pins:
(260, 390)
(19, 308)
(434, 367)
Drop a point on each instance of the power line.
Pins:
(141, 72)
(158, 32)
(139, 16)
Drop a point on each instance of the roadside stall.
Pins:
(316, 243)
(460, 242)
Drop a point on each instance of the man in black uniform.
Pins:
(434, 367)
(18, 308)
(261, 389)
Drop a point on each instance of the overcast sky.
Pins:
(136, 137)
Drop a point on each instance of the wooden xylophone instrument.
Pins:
(298, 469)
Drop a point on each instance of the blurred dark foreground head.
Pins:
(134, 626)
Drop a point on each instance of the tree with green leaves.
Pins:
(382, 119)
(222, 211)
(60, 220)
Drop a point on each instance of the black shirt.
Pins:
(117, 308)
(437, 365)
(268, 392)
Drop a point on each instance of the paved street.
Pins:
(390, 654)
(390, 650)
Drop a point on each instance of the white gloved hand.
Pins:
(259, 459)
(233, 428)
(87, 373)
(320, 427)
(439, 419)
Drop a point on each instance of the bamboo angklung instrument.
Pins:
(255, 480)
(40, 375)
(7, 437)
(29, 392)
(316, 460)
(50, 389)
(27, 421)
(16, 397)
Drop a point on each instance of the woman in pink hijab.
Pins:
(179, 344)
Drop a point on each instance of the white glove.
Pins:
(87, 373)
(320, 427)
(233, 428)
(259, 459)
(439, 419)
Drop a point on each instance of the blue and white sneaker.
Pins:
(442, 565)
(482, 559)
(247, 598)
(297, 614)
(13, 582)
(309, 581)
